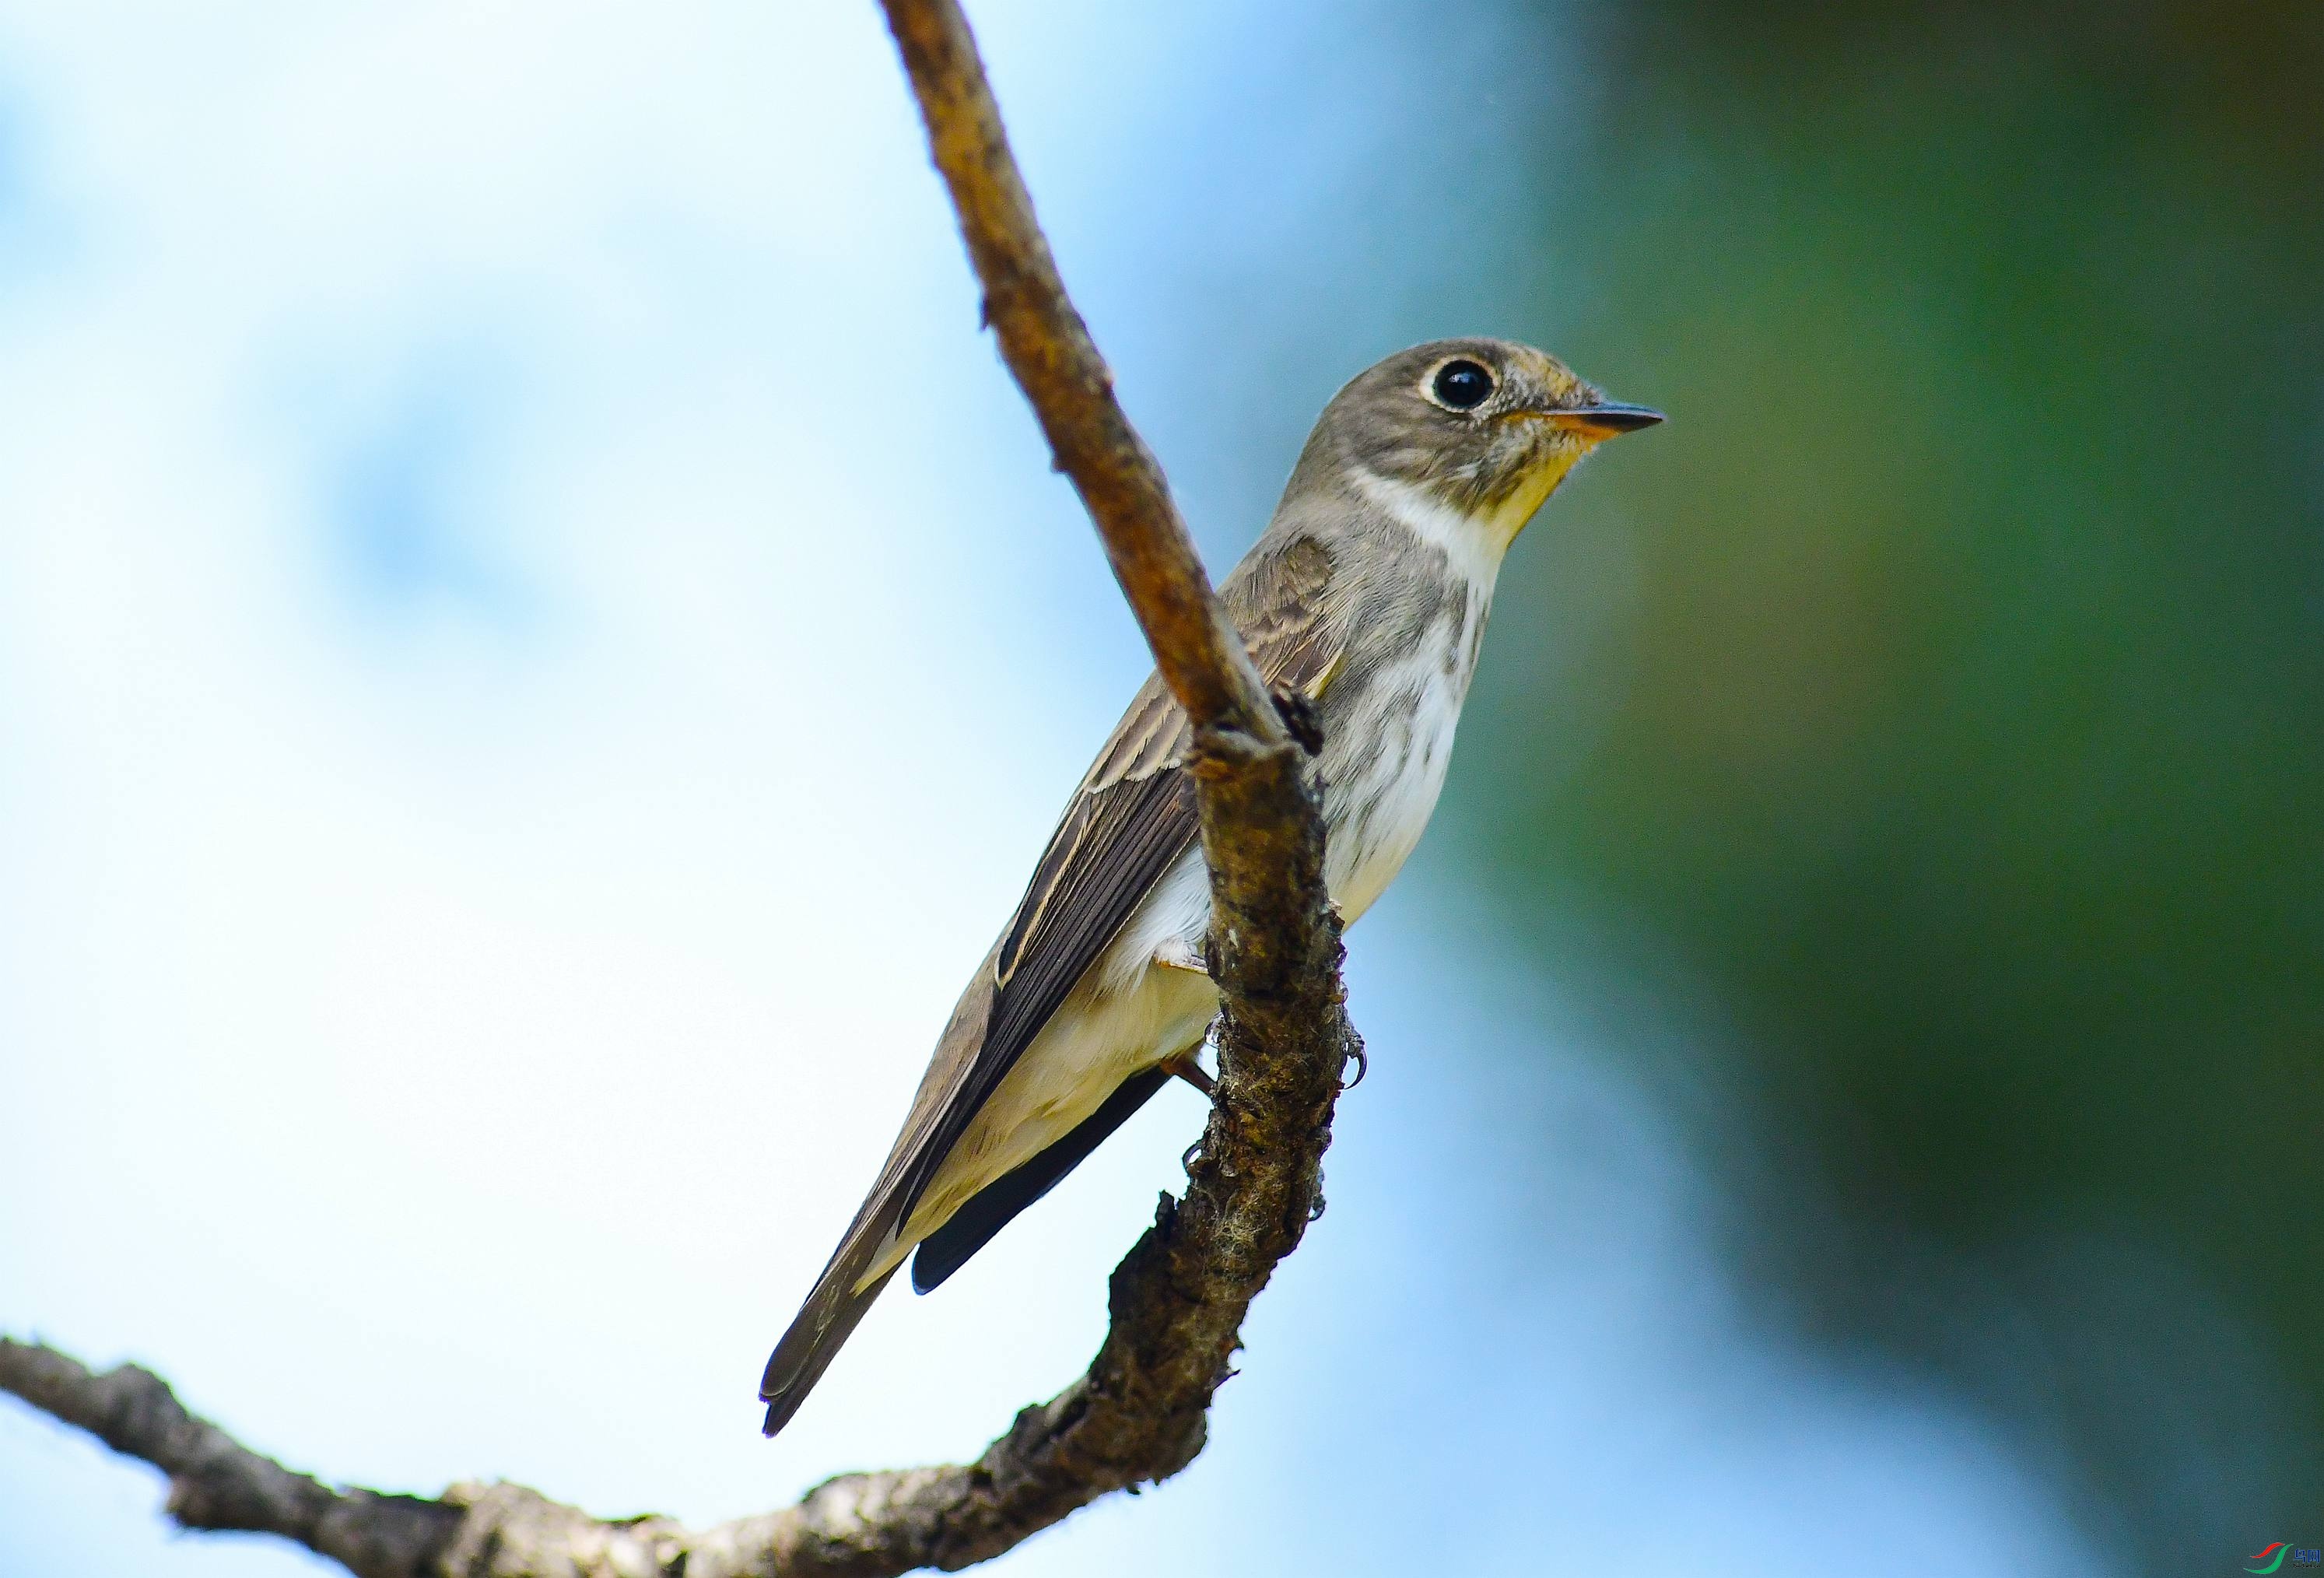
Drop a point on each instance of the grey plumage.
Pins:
(1369, 591)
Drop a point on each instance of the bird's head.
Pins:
(1482, 427)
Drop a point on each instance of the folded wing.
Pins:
(1133, 816)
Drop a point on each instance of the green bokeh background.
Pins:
(1941, 701)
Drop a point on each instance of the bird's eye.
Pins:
(1461, 385)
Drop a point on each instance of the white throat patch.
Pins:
(1472, 544)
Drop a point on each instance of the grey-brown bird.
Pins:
(1367, 593)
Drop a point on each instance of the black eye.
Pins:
(1462, 384)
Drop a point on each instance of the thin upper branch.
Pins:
(1048, 351)
(1177, 1300)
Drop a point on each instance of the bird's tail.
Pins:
(838, 1302)
(816, 1336)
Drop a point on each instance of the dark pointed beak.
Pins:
(1606, 421)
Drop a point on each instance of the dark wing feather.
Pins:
(1131, 819)
(996, 1205)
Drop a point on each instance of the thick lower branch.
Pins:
(215, 1482)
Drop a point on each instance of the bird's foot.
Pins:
(1177, 954)
(1186, 1066)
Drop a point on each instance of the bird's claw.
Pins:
(1186, 1068)
(1177, 954)
(1296, 708)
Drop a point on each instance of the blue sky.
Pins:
(537, 646)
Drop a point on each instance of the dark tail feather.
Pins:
(831, 1312)
(992, 1207)
(814, 1340)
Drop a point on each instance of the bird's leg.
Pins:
(1177, 954)
(1186, 1066)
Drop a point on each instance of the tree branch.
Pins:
(1178, 1301)
(1048, 351)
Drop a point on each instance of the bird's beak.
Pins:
(1598, 422)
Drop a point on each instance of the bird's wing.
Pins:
(1132, 817)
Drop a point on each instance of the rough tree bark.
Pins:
(1177, 1302)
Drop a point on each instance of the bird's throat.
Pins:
(1472, 541)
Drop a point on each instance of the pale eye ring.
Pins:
(1461, 385)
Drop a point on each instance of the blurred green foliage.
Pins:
(1954, 708)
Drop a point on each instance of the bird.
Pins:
(1366, 595)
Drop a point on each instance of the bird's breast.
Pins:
(1386, 753)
